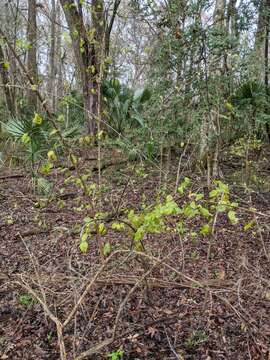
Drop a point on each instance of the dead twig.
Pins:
(12, 176)
(170, 345)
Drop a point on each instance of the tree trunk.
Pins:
(32, 52)
(52, 60)
(60, 58)
(258, 63)
(109, 27)
(90, 45)
(210, 128)
(4, 66)
(266, 59)
(84, 47)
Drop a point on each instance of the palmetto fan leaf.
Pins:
(72, 132)
(34, 137)
(18, 127)
(124, 104)
(43, 186)
(142, 95)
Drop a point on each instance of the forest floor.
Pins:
(197, 302)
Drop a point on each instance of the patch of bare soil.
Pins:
(189, 298)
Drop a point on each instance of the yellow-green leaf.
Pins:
(51, 155)
(73, 159)
(102, 229)
(5, 65)
(232, 217)
(118, 226)
(229, 106)
(205, 229)
(107, 249)
(25, 139)
(37, 120)
(84, 246)
(84, 237)
(249, 225)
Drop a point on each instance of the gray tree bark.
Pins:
(52, 59)
(90, 45)
(32, 51)
(4, 72)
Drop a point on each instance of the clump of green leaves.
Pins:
(165, 215)
(220, 196)
(107, 249)
(182, 187)
(93, 226)
(244, 145)
(86, 230)
(197, 338)
(151, 221)
(118, 226)
(27, 300)
(159, 218)
(116, 355)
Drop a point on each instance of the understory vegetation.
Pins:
(134, 180)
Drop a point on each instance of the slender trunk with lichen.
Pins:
(266, 59)
(52, 60)
(32, 52)
(4, 73)
(216, 67)
(60, 58)
(259, 68)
